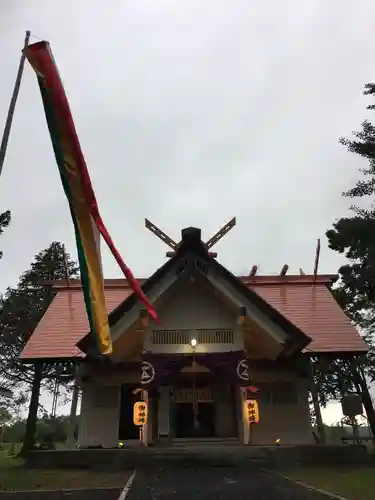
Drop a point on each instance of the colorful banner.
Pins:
(77, 186)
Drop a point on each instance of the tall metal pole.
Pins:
(12, 105)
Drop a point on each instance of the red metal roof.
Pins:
(309, 306)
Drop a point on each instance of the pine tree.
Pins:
(354, 236)
(4, 223)
(21, 309)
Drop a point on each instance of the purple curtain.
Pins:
(230, 366)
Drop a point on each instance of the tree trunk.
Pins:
(315, 399)
(29, 438)
(362, 389)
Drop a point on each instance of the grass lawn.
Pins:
(15, 476)
(353, 484)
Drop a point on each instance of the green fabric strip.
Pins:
(59, 155)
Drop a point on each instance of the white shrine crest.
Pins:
(147, 372)
(243, 370)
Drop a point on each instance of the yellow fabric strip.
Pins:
(94, 272)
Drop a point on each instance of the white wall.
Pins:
(190, 308)
(288, 422)
(99, 419)
(226, 411)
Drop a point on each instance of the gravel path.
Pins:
(216, 483)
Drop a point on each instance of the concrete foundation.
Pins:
(228, 454)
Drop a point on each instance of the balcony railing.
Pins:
(183, 337)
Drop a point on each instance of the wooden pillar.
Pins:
(164, 413)
(239, 412)
(172, 412)
(71, 440)
(245, 424)
(225, 424)
(315, 398)
(145, 429)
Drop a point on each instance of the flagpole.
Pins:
(67, 280)
(12, 105)
(66, 268)
(317, 255)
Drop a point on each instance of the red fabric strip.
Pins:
(41, 54)
(124, 268)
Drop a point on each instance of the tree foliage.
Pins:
(335, 378)
(5, 415)
(4, 223)
(22, 307)
(354, 237)
(48, 429)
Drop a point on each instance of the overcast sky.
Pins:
(190, 112)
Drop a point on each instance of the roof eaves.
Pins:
(336, 354)
(291, 280)
(122, 283)
(30, 360)
(86, 344)
(276, 316)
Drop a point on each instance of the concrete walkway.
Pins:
(216, 483)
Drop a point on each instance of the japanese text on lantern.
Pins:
(251, 410)
(140, 413)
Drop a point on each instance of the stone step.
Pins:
(206, 451)
(176, 443)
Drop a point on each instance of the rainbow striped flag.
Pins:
(88, 224)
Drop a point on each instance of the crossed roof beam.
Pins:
(174, 246)
(215, 239)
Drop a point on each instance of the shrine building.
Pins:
(222, 340)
